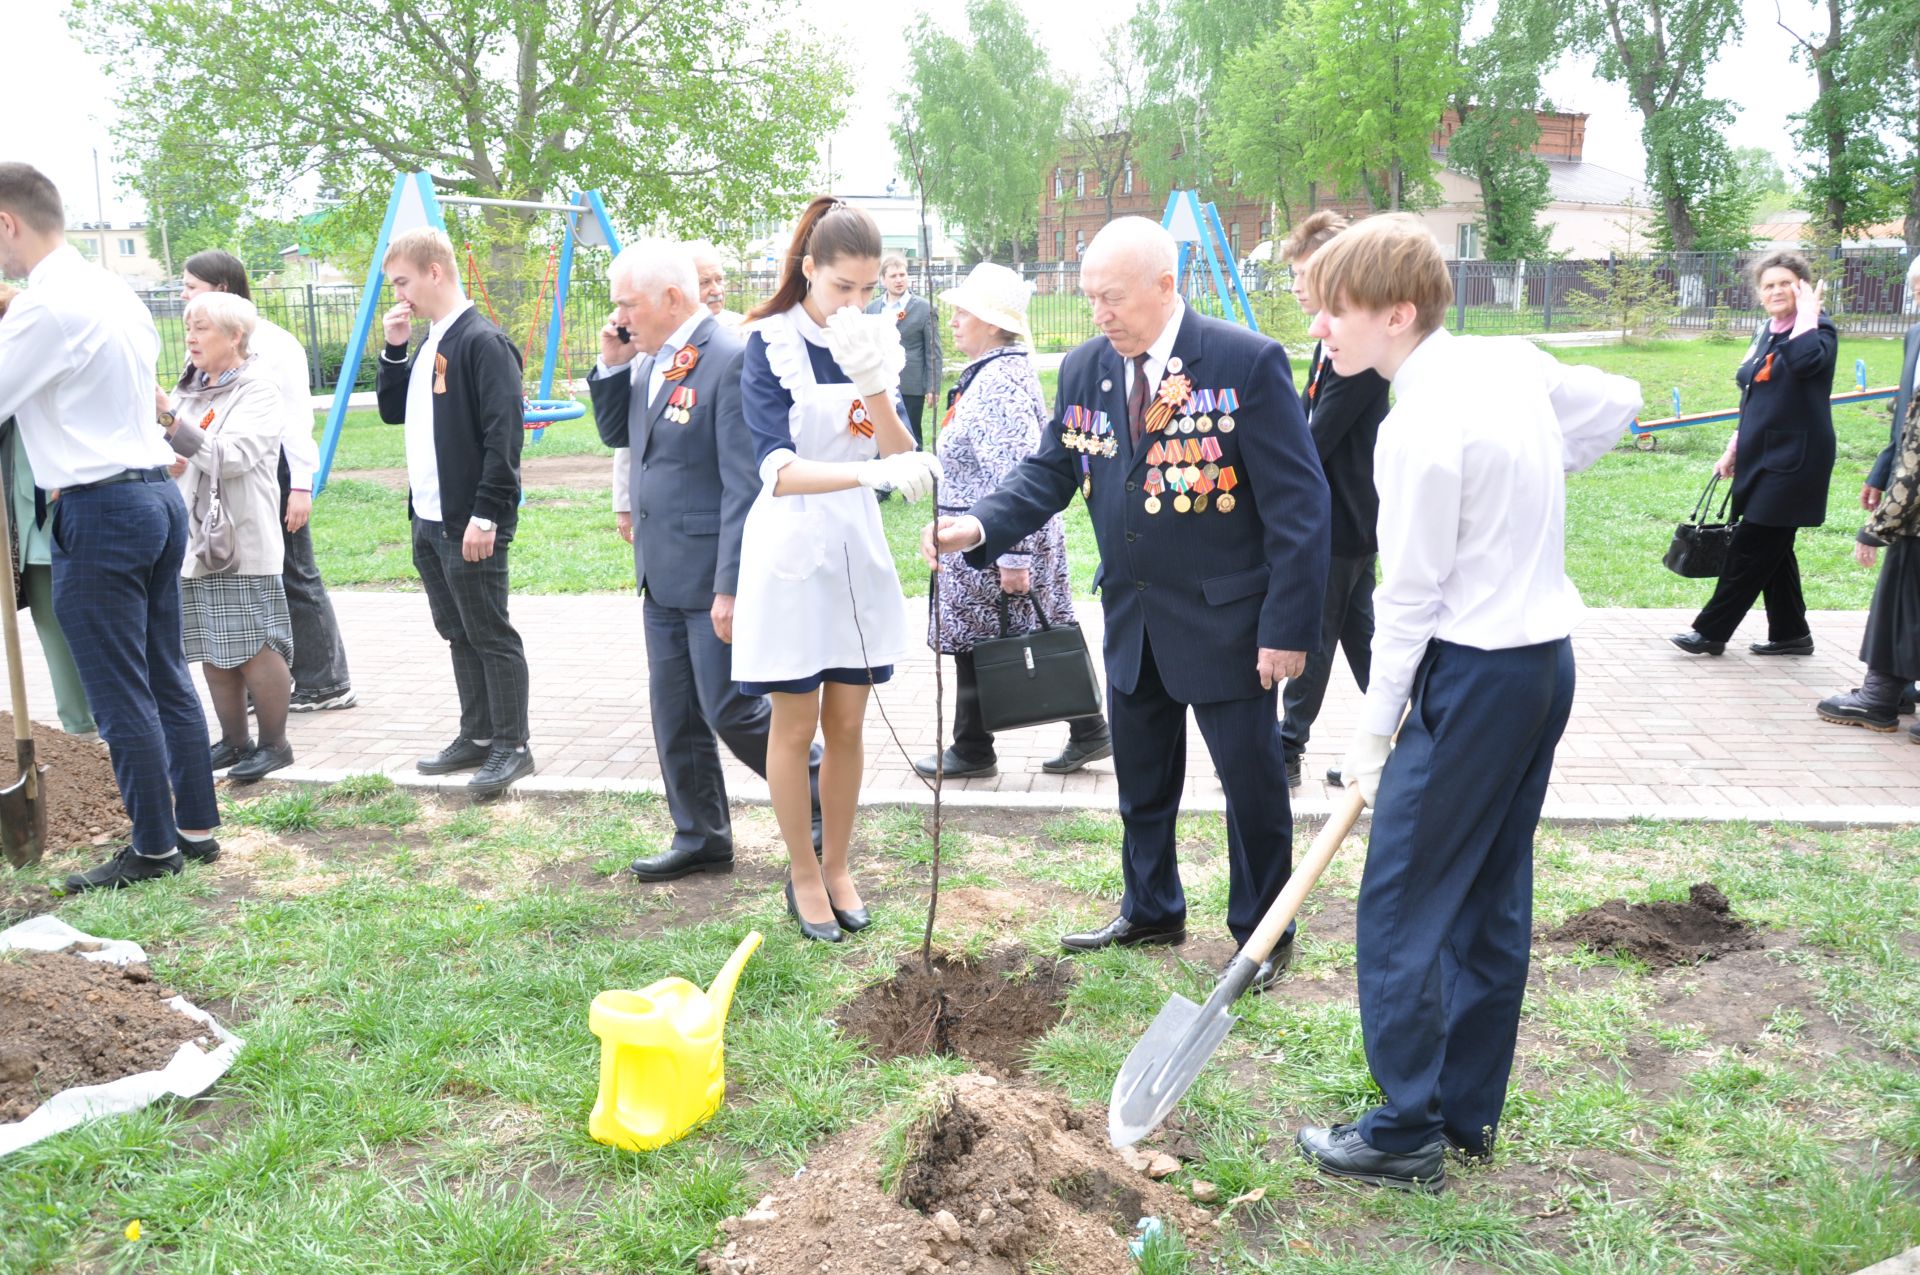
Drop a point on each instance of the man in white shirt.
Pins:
(1471, 625)
(77, 361)
(320, 677)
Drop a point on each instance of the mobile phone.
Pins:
(626, 337)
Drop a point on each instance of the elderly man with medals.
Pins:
(1186, 439)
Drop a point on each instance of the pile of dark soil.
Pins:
(987, 1012)
(1662, 933)
(83, 802)
(67, 1021)
(998, 1176)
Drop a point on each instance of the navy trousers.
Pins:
(694, 698)
(116, 590)
(1445, 915)
(1150, 762)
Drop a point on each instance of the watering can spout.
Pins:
(720, 995)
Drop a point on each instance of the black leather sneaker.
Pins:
(953, 766)
(506, 763)
(260, 763)
(461, 754)
(226, 753)
(1342, 1152)
(1693, 644)
(197, 851)
(1854, 708)
(124, 869)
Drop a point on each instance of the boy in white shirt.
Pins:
(1472, 618)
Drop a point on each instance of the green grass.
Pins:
(412, 975)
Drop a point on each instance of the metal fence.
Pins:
(1867, 292)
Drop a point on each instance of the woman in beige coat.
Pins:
(224, 422)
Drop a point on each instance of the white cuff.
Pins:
(777, 460)
(1380, 717)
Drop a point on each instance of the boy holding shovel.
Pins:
(1472, 618)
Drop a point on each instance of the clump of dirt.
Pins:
(1662, 933)
(987, 1012)
(83, 801)
(67, 1021)
(996, 1178)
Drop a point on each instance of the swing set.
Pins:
(413, 204)
(1195, 226)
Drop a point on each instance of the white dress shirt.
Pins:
(1159, 352)
(77, 359)
(284, 359)
(1471, 467)
(423, 464)
(656, 377)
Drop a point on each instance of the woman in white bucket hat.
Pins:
(995, 414)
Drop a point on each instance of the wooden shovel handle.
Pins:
(1345, 814)
(10, 621)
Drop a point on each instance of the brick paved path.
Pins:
(1654, 732)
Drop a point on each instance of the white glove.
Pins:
(867, 348)
(1366, 758)
(912, 474)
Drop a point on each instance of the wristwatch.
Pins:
(167, 420)
(480, 524)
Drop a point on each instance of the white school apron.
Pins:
(817, 586)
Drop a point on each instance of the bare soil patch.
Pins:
(996, 1179)
(83, 802)
(67, 1021)
(1662, 933)
(987, 1012)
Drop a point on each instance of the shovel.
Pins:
(1184, 1035)
(23, 803)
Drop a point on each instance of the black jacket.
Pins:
(479, 420)
(1344, 415)
(1783, 462)
(1882, 472)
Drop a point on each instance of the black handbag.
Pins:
(1699, 548)
(1029, 678)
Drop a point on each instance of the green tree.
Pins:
(1660, 51)
(1256, 130)
(1497, 102)
(1189, 47)
(1103, 118)
(1888, 42)
(523, 99)
(1848, 179)
(1765, 181)
(984, 119)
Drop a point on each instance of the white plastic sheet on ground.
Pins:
(190, 1072)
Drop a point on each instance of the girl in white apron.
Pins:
(819, 617)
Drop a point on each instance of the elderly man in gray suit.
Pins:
(667, 389)
(919, 333)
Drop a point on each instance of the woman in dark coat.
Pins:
(1784, 450)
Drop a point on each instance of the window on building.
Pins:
(1129, 185)
(1467, 242)
(1233, 239)
(1266, 230)
(1079, 183)
(1059, 185)
(1059, 245)
(126, 248)
(1079, 244)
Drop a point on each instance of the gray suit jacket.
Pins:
(920, 334)
(690, 485)
(1882, 472)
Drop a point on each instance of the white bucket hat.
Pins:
(996, 295)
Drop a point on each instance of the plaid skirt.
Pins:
(227, 620)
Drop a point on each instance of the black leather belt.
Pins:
(157, 474)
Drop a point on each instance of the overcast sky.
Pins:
(56, 101)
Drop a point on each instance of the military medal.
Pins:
(1202, 484)
(1177, 479)
(680, 404)
(1227, 481)
(1229, 403)
(1154, 485)
(858, 419)
(682, 363)
(1086, 479)
(1203, 411)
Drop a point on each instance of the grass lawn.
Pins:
(412, 978)
(1620, 514)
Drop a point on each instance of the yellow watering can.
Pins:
(662, 1066)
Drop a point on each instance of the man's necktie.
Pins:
(1137, 399)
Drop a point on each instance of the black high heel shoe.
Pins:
(828, 933)
(851, 920)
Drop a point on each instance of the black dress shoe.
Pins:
(1335, 780)
(1342, 1152)
(1271, 970)
(197, 851)
(957, 767)
(124, 869)
(226, 754)
(461, 754)
(852, 920)
(505, 763)
(674, 864)
(829, 932)
(1121, 932)
(1077, 755)
(1693, 644)
(260, 763)
(1294, 766)
(1802, 645)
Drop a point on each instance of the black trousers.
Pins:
(972, 741)
(319, 656)
(1150, 762)
(469, 605)
(916, 408)
(1346, 623)
(1760, 562)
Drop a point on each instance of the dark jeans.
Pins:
(116, 590)
(469, 605)
(972, 741)
(1346, 623)
(1759, 561)
(319, 656)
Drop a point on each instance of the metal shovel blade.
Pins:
(23, 811)
(1164, 1064)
